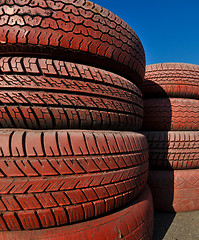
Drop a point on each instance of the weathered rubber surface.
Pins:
(74, 30)
(164, 114)
(175, 191)
(51, 94)
(133, 222)
(172, 80)
(53, 178)
(173, 150)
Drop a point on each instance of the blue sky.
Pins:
(169, 30)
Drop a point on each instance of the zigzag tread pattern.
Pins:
(172, 80)
(174, 149)
(51, 184)
(83, 30)
(54, 178)
(69, 96)
(175, 191)
(164, 114)
(134, 221)
(34, 211)
(48, 166)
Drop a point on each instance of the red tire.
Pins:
(175, 191)
(133, 222)
(172, 80)
(164, 114)
(74, 30)
(49, 94)
(54, 178)
(173, 150)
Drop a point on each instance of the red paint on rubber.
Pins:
(46, 94)
(134, 222)
(53, 178)
(164, 114)
(74, 30)
(172, 80)
(174, 149)
(175, 191)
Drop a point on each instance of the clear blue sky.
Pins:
(168, 29)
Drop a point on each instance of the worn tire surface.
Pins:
(172, 80)
(164, 114)
(54, 178)
(173, 150)
(175, 191)
(133, 222)
(51, 94)
(74, 30)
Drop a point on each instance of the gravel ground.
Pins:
(180, 226)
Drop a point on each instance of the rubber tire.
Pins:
(54, 178)
(50, 94)
(74, 30)
(173, 150)
(172, 80)
(175, 191)
(177, 114)
(136, 221)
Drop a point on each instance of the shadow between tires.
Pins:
(161, 181)
(162, 222)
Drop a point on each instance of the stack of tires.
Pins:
(70, 73)
(171, 124)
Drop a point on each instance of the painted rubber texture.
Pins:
(173, 150)
(171, 79)
(164, 114)
(78, 31)
(135, 221)
(175, 191)
(51, 94)
(54, 178)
